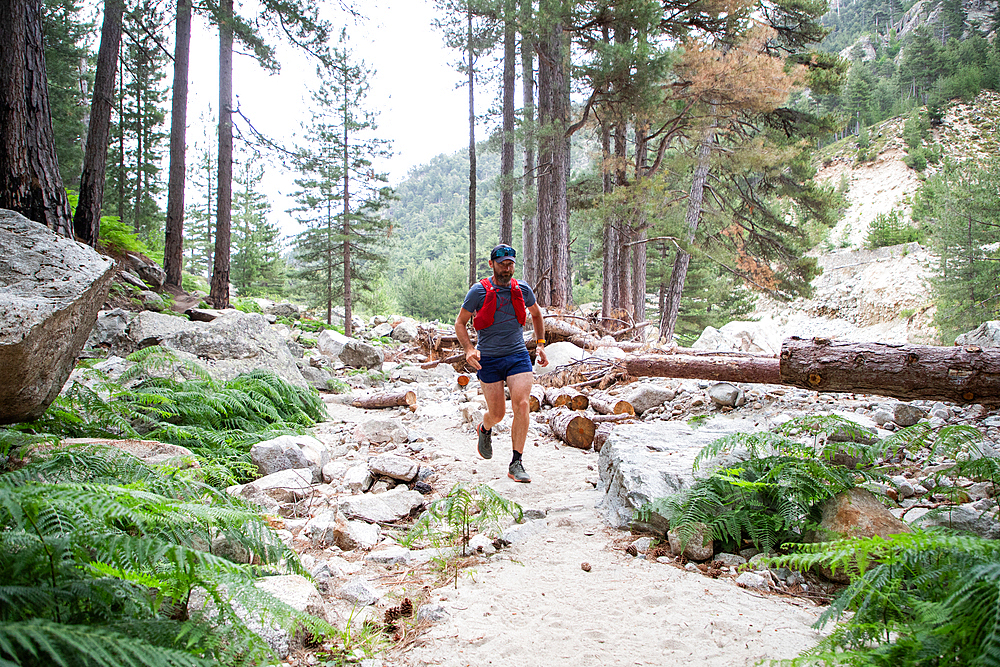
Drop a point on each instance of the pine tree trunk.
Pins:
(672, 299)
(561, 283)
(224, 188)
(173, 252)
(529, 228)
(348, 301)
(30, 182)
(546, 171)
(87, 219)
(472, 153)
(507, 142)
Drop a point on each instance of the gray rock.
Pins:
(699, 547)
(358, 479)
(388, 507)
(907, 414)
(109, 326)
(330, 343)
(642, 462)
(519, 532)
(986, 334)
(405, 331)
(153, 274)
(359, 591)
(359, 354)
(384, 329)
(285, 486)
(152, 301)
(289, 310)
(51, 289)
(396, 467)
(882, 416)
(301, 595)
(281, 453)
(392, 555)
(203, 314)
(232, 344)
(642, 544)
(731, 560)
(753, 580)
(432, 613)
(648, 395)
(958, 517)
(230, 549)
(726, 394)
(381, 431)
(334, 471)
(316, 377)
(331, 528)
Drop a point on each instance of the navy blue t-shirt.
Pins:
(505, 336)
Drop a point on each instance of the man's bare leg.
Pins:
(520, 391)
(493, 393)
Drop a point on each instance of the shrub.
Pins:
(890, 229)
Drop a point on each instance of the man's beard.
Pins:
(502, 280)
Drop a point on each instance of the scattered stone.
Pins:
(281, 453)
(726, 394)
(388, 507)
(907, 414)
(359, 591)
(406, 331)
(393, 555)
(432, 613)
(699, 547)
(647, 395)
(964, 518)
(585, 567)
(380, 431)
(730, 560)
(284, 486)
(753, 580)
(359, 354)
(642, 545)
(986, 334)
(396, 467)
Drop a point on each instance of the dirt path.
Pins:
(533, 603)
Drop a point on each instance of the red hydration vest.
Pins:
(484, 316)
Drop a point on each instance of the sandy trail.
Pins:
(533, 604)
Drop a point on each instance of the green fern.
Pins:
(99, 556)
(218, 421)
(926, 598)
(776, 493)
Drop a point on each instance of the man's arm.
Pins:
(462, 333)
(538, 324)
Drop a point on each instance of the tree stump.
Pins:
(389, 399)
(573, 428)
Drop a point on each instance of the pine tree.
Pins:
(341, 197)
(257, 267)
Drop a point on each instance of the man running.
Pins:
(500, 305)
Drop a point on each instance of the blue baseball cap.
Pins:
(502, 252)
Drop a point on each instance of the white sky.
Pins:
(413, 90)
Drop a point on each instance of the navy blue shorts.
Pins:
(495, 369)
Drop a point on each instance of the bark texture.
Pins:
(224, 189)
(572, 428)
(960, 374)
(87, 219)
(721, 369)
(174, 237)
(388, 399)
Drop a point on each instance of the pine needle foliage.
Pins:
(218, 421)
(100, 555)
(773, 495)
(451, 520)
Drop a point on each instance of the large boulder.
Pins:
(986, 334)
(359, 354)
(51, 289)
(331, 343)
(642, 462)
(233, 343)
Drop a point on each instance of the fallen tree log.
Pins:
(910, 372)
(536, 398)
(558, 397)
(601, 419)
(572, 427)
(722, 369)
(602, 434)
(389, 399)
(558, 330)
(607, 405)
(968, 374)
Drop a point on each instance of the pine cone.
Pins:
(406, 609)
(392, 614)
(631, 550)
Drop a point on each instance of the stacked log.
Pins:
(558, 397)
(602, 434)
(536, 398)
(572, 427)
(608, 405)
